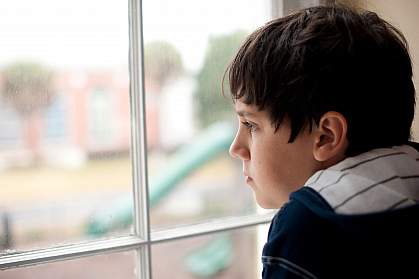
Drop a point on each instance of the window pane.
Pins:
(109, 266)
(64, 121)
(190, 125)
(232, 255)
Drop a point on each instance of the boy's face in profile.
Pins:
(272, 167)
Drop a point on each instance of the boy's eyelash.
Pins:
(248, 125)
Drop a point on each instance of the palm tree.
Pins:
(162, 62)
(28, 87)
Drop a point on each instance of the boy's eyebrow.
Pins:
(244, 113)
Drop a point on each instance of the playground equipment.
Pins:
(217, 255)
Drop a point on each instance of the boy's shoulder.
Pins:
(304, 204)
(307, 212)
(307, 234)
(297, 236)
(301, 220)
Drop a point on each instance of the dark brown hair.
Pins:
(330, 59)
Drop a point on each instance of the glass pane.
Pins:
(109, 266)
(233, 255)
(64, 121)
(190, 125)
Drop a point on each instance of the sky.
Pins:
(93, 33)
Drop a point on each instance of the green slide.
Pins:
(213, 141)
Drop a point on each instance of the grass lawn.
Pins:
(48, 183)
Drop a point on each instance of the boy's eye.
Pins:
(250, 126)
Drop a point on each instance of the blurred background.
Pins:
(65, 129)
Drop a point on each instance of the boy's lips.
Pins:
(248, 179)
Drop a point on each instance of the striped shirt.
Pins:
(379, 180)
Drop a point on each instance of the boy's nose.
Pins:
(238, 150)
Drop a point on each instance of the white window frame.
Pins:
(142, 239)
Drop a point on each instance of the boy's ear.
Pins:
(330, 140)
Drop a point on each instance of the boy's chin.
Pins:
(267, 204)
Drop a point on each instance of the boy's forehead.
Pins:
(243, 109)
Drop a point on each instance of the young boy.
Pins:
(325, 101)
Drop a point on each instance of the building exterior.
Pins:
(88, 115)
